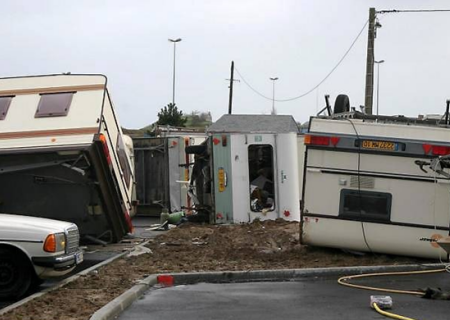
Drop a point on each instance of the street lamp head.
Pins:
(175, 40)
(273, 79)
(380, 61)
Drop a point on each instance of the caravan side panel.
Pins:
(21, 129)
(223, 183)
(287, 177)
(122, 168)
(406, 210)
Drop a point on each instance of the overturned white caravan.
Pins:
(62, 154)
(368, 186)
(247, 169)
(163, 170)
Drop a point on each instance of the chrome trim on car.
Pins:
(73, 239)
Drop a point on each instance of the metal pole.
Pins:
(173, 77)
(446, 112)
(273, 95)
(378, 87)
(174, 41)
(378, 82)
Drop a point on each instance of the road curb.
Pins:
(288, 274)
(119, 304)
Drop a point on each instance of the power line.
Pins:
(315, 87)
(413, 11)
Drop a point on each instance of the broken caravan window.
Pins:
(365, 205)
(54, 104)
(5, 102)
(261, 168)
(123, 160)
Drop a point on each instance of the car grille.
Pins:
(73, 239)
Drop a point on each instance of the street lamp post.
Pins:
(174, 41)
(378, 82)
(273, 95)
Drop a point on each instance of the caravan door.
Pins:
(255, 193)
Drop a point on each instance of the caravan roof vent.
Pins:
(4, 106)
(54, 104)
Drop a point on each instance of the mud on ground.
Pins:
(191, 247)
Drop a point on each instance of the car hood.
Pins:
(18, 227)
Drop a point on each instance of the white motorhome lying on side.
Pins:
(365, 186)
(247, 169)
(62, 154)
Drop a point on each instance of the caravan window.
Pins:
(365, 205)
(54, 104)
(123, 160)
(4, 106)
(261, 168)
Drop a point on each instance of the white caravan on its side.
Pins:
(63, 156)
(366, 188)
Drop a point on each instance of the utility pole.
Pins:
(230, 100)
(369, 64)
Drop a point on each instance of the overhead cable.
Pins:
(316, 86)
(413, 11)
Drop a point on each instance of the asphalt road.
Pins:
(306, 299)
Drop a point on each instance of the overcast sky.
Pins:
(299, 41)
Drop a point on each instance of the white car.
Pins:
(33, 249)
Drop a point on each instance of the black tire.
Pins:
(15, 274)
(199, 149)
(342, 104)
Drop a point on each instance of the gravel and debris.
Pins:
(189, 248)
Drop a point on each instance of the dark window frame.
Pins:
(366, 199)
(5, 103)
(49, 106)
(123, 160)
(262, 164)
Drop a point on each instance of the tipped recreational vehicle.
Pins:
(368, 185)
(163, 170)
(248, 169)
(62, 154)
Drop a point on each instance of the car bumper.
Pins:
(59, 263)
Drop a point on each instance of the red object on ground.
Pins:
(165, 280)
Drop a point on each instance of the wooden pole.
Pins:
(230, 100)
(369, 63)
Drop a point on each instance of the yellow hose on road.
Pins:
(390, 315)
(343, 280)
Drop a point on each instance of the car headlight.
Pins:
(55, 242)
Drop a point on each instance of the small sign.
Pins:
(79, 257)
(221, 176)
(380, 145)
(258, 138)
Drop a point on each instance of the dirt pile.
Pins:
(191, 247)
